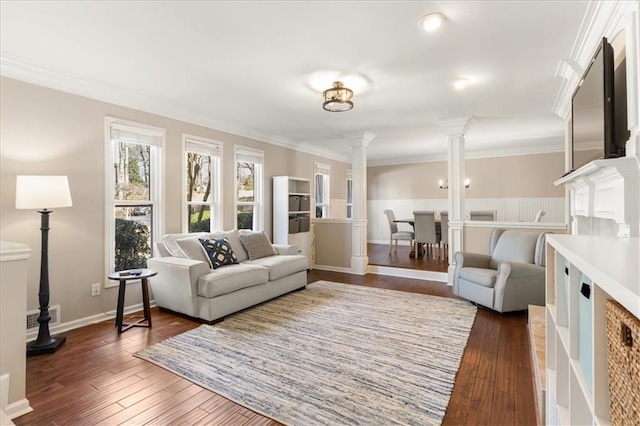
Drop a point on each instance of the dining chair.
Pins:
(425, 228)
(395, 234)
(444, 233)
(485, 215)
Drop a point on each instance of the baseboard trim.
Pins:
(93, 319)
(408, 273)
(333, 269)
(18, 408)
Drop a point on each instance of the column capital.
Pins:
(457, 125)
(360, 139)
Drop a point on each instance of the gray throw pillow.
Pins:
(192, 249)
(257, 245)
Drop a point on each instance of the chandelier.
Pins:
(338, 98)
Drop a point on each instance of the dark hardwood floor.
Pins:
(94, 379)
(379, 255)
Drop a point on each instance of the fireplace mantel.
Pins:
(605, 190)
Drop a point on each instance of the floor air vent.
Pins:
(32, 317)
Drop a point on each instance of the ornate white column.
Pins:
(456, 129)
(359, 143)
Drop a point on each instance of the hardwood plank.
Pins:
(192, 417)
(504, 409)
(481, 403)
(180, 410)
(59, 385)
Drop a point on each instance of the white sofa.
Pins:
(186, 283)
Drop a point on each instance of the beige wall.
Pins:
(333, 244)
(523, 176)
(44, 131)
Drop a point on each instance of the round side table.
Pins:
(130, 275)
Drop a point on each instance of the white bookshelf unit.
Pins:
(577, 391)
(286, 211)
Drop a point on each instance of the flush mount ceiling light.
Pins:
(460, 83)
(338, 98)
(432, 21)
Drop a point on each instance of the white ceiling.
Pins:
(244, 66)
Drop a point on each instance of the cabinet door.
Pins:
(303, 242)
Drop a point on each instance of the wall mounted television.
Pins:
(593, 110)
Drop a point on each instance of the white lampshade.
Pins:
(42, 192)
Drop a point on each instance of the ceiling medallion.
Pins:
(338, 98)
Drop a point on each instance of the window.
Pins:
(133, 153)
(349, 195)
(249, 189)
(321, 178)
(202, 209)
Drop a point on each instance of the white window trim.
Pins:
(216, 199)
(157, 192)
(258, 192)
(325, 170)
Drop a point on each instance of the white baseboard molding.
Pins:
(408, 273)
(18, 408)
(333, 269)
(82, 322)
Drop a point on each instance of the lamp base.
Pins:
(56, 342)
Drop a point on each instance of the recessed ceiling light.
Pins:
(460, 83)
(432, 21)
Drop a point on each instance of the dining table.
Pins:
(411, 222)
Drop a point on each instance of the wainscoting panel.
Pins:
(509, 210)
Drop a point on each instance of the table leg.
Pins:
(120, 310)
(145, 300)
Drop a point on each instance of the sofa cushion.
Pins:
(193, 249)
(169, 241)
(234, 239)
(231, 278)
(480, 276)
(219, 252)
(257, 245)
(281, 265)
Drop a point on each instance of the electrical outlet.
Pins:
(95, 289)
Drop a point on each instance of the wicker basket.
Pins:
(623, 351)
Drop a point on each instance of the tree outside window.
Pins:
(133, 210)
(246, 196)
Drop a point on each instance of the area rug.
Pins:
(332, 354)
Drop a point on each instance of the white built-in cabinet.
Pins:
(576, 339)
(292, 214)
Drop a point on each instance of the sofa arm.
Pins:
(285, 249)
(472, 260)
(176, 285)
(518, 285)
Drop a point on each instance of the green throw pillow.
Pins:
(219, 252)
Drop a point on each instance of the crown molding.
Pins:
(457, 125)
(360, 139)
(472, 154)
(38, 74)
(602, 19)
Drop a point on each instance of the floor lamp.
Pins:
(43, 192)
